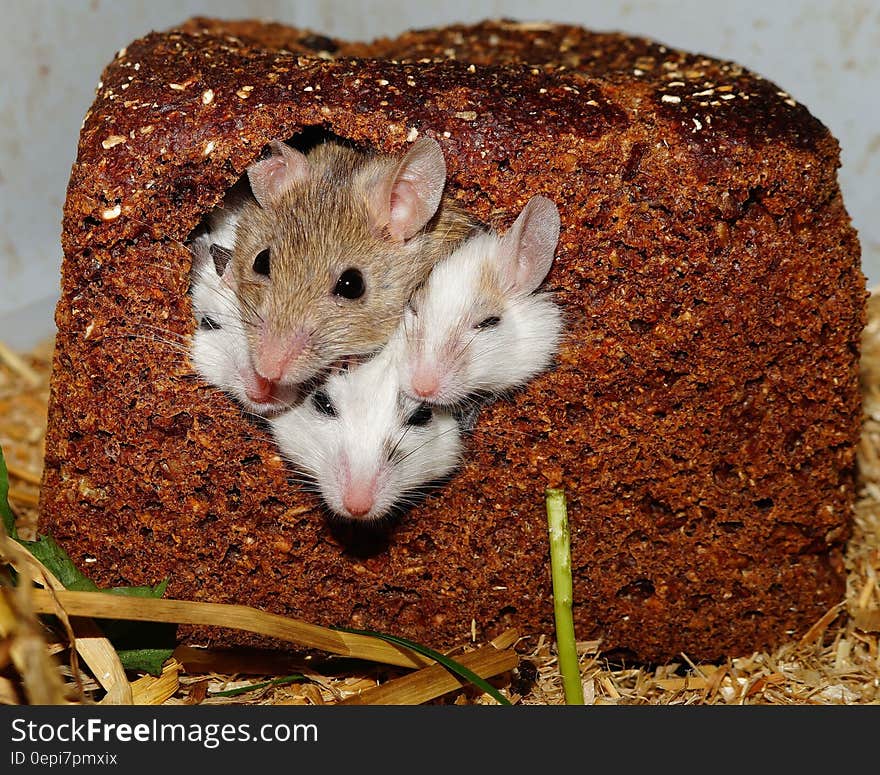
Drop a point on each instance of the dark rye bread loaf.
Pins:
(703, 414)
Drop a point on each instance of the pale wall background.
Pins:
(824, 53)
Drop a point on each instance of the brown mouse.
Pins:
(331, 248)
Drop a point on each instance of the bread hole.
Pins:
(206, 520)
(657, 507)
(764, 504)
(668, 378)
(232, 554)
(725, 476)
(423, 543)
(637, 537)
(233, 498)
(638, 590)
(640, 326)
(507, 614)
(793, 440)
(665, 518)
(730, 527)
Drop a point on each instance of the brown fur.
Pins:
(317, 230)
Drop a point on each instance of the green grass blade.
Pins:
(450, 664)
(560, 568)
(144, 660)
(5, 510)
(284, 681)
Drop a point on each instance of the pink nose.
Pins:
(425, 381)
(275, 354)
(358, 498)
(259, 389)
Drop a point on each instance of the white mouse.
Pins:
(476, 326)
(368, 448)
(219, 351)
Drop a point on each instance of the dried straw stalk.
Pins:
(103, 606)
(434, 681)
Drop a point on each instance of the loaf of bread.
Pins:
(702, 415)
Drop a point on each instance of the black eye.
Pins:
(489, 322)
(208, 324)
(421, 416)
(321, 401)
(350, 284)
(261, 263)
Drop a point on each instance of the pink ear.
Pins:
(272, 177)
(528, 246)
(410, 195)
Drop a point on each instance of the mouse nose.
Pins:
(425, 381)
(358, 498)
(275, 354)
(259, 389)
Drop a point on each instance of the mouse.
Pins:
(220, 224)
(476, 326)
(218, 350)
(331, 247)
(367, 448)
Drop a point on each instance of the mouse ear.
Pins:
(273, 176)
(410, 194)
(222, 256)
(528, 246)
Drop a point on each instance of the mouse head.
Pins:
(327, 255)
(368, 447)
(475, 325)
(219, 351)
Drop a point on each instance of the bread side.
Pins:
(705, 407)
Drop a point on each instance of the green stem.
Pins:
(560, 566)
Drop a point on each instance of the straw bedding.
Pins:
(836, 662)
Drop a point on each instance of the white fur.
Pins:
(220, 356)
(440, 330)
(368, 440)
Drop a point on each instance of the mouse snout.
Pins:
(258, 389)
(275, 354)
(425, 379)
(359, 496)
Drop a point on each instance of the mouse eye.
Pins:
(321, 401)
(421, 416)
(489, 322)
(350, 284)
(208, 324)
(261, 263)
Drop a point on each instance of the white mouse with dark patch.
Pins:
(476, 327)
(368, 448)
(219, 351)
